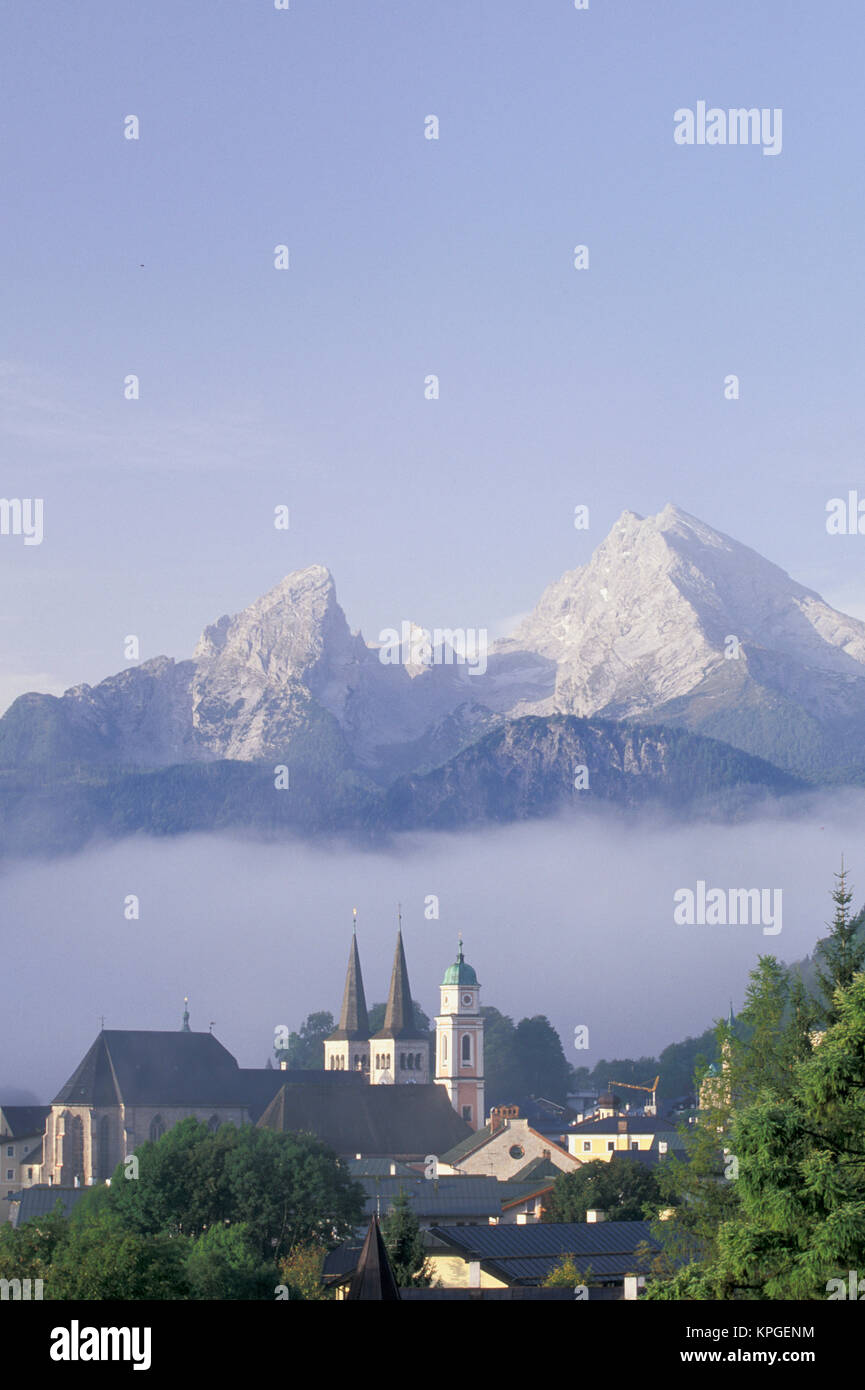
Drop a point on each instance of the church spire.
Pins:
(185, 1028)
(353, 1018)
(399, 1019)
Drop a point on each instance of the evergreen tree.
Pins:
(543, 1068)
(842, 953)
(798, 1218)
(758, 1051)
(404, 1244)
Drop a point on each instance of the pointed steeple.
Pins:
(353, 1018)
(373, 1280)
(185, 1028)
(399, 1019)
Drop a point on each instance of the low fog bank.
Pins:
(573, 920)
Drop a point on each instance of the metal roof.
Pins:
(436, 1197)
(39, 1201)
(555, 1239)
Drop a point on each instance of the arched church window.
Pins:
(418, 1063)
(445, 1047)
(467, 1048)
(157, 1128)
(213, 1124)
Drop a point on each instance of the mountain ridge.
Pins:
(670, 624)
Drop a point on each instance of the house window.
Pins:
(517, 1151)
(10, 1151)
(467, 1113)
(445, 1048)
(611, 1146)
(10, 1174)
(635, 1143)
(29, 1172)
(587, 1146)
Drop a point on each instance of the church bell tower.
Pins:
(460, 1041)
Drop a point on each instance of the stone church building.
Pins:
(132, 1086)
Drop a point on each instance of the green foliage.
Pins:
(543, 1069)
(223, 1263)
(792, 1116)
(300, 1273)
(524, 1061)
(841, 954)
(305, 1050)
(502, 1076)
(404, 1244)
(566, 1275)
(622, 1188)
(101, 1261)
(286, 1188)
(209, 1217)
(27, 1253)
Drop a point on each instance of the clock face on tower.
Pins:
(467, 999)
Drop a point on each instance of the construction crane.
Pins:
(631, 1086)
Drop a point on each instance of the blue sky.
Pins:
(408, 257)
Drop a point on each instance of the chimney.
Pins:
(500, 1115)
(593, 1215)
(623, 1126)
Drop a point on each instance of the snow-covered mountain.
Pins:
(670, 623)
(673, 619)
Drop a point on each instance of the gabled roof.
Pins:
(535, 1169)
(353, 1018)
(155, 1068)
(460, 1152)
(180, 1068)
(468, 1146)
(513, 1193)
(20, 1121)
(399, 1019)
(398, 1121)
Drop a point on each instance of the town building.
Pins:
(399, 1053)
(504, 1146)
(21, 1129)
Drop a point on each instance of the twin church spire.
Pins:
(400, 1052)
